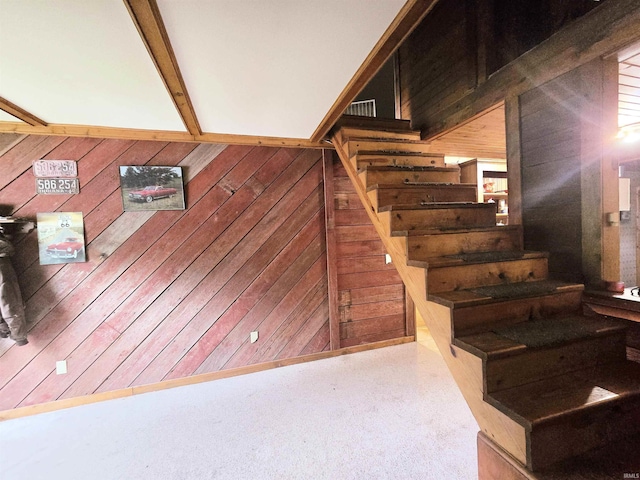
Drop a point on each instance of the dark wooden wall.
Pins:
(462, 42)
(167, 294)
(562, 138)
(551, 180)
(371, 298)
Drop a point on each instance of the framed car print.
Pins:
(61, 238)
(151, 188)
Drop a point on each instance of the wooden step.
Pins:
(349, 133)
(484, 269)
(382, 195)
(533, 350)
(610, 462)
(481, 309)
(372, 123)
(356, 145)
(377, 159)
(404, 218)
(401, 175)
(469, 240)
(569, 414)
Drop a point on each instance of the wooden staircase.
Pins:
(544, 381)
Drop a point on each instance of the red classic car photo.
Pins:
(69, 248)
(151, 193)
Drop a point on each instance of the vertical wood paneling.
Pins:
(169, 293)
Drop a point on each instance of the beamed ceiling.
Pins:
(268, 71)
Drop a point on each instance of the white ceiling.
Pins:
(251, 67)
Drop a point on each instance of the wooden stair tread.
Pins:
(445, 230)
(477, 257)
(570, 394)
(407, 168)
(418, 185)
(435, 206)
(400, 153)
(513, 339)
(372, 123)
(501, 293)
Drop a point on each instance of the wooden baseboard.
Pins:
(205, 377)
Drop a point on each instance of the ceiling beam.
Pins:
(407, 19)
(160, 135)
(16, 111)
(146, 16)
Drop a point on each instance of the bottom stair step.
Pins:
(568, 414)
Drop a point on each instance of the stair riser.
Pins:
(480, 318)
(427, 246)
(391, 160)
(553, 442)
(407, 220)
(400, 177)
(533, 365)
(384, 197)
(368, 145)
(459, 277)
(361, 133)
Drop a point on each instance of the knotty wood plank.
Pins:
(356, 233)
(374, 337)
(372, 326)
(371, 310)
(352, 217)
(352, 249)
(365, 279)
(382, 293)
(376, 263)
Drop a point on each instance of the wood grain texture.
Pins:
(166, 294)
(370, 293)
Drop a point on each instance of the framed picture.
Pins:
(151, 188)
(61, 238)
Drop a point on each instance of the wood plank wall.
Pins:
(166, 294)
(562, 127)
(462, 42)
(371, 298)
(550, 165)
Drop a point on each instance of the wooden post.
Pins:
(514, 159)
(332, 268)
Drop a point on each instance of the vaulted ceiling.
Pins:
(192, 69)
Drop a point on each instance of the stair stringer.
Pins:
(466, 368)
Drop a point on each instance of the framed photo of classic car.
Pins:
(61, 238)
(151, 188)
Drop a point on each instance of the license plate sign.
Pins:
(57, 186)
(55, 168)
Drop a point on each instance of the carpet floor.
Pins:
(392, 413)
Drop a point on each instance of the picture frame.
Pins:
(61, 238)
(151, 188)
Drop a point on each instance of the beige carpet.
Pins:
(392, 413)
